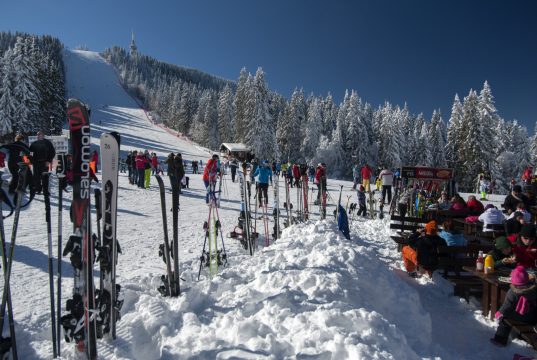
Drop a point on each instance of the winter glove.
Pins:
(498, 316)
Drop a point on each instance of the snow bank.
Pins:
(312, 293)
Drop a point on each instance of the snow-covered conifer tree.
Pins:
(313, 131)
(288, 132)
(260, 136)
(436, 140)
(225, 114)
(240, 104)
(26, 95)
(7, 104)
(473, 157)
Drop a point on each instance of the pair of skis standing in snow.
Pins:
(212, 257)
(91, 312)
(246, 231)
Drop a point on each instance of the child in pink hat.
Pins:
(520, 305)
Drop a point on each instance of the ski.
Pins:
(276, 211)
(213, 257)
(80, 324)
(304, 184)
(371, 203)
(245, 212)
(109, 304)
(164, 249)
(175, 243)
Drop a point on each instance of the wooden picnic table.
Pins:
(494, 291)
(469, 228)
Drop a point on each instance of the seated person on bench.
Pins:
(520, 305)
(450, 235)
(421, 250)
(502, 254)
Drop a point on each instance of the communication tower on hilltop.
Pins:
(133, 45)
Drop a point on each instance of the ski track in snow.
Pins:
(310, 295)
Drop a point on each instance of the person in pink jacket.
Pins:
(154, 164)
(141, 160)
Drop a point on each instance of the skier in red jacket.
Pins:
(366, 176)
(210, 174)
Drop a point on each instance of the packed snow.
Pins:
(311, 294)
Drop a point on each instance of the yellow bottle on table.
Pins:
(489, 264)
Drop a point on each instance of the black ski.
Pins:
(168, 288)
(175, 230)
(80, 324)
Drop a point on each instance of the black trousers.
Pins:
(362, 210)
(262, 190)
(402, 209)
(40, 182)
(14, 170)
(233, 172)
(386, 189)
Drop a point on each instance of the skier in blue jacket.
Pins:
(264, 175)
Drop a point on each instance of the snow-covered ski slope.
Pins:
(92, 80)
(312, 294)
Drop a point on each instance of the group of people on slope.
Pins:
(141, 165)
(384, 182)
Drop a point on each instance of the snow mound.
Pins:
(311, 294)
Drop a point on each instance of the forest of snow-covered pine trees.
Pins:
(314, 128)
(212, 110)
(32, 86)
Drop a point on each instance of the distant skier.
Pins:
(361, 201)
(320, 179)
(41, 155)
(210, 175)
(355, 176)
(264, 174)
(233, 165)
(311, 173)
(154, 164)
(386, 176)
(366, 176)
(94, 163)
(147, 169)
(141, 161)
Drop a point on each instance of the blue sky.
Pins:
(418, 51)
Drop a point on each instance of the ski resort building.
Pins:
(236, 150)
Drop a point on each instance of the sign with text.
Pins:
(427, 173)
(61, 144)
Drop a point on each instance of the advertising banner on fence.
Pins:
(427, 173)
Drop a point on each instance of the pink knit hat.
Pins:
(519, 276)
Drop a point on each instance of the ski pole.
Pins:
(59, 259)
(3, 197)
(23, 173)
(45, 180)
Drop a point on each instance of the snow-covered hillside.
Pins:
(312, 294)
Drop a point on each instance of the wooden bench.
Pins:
(451, 259)
(525, 331)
